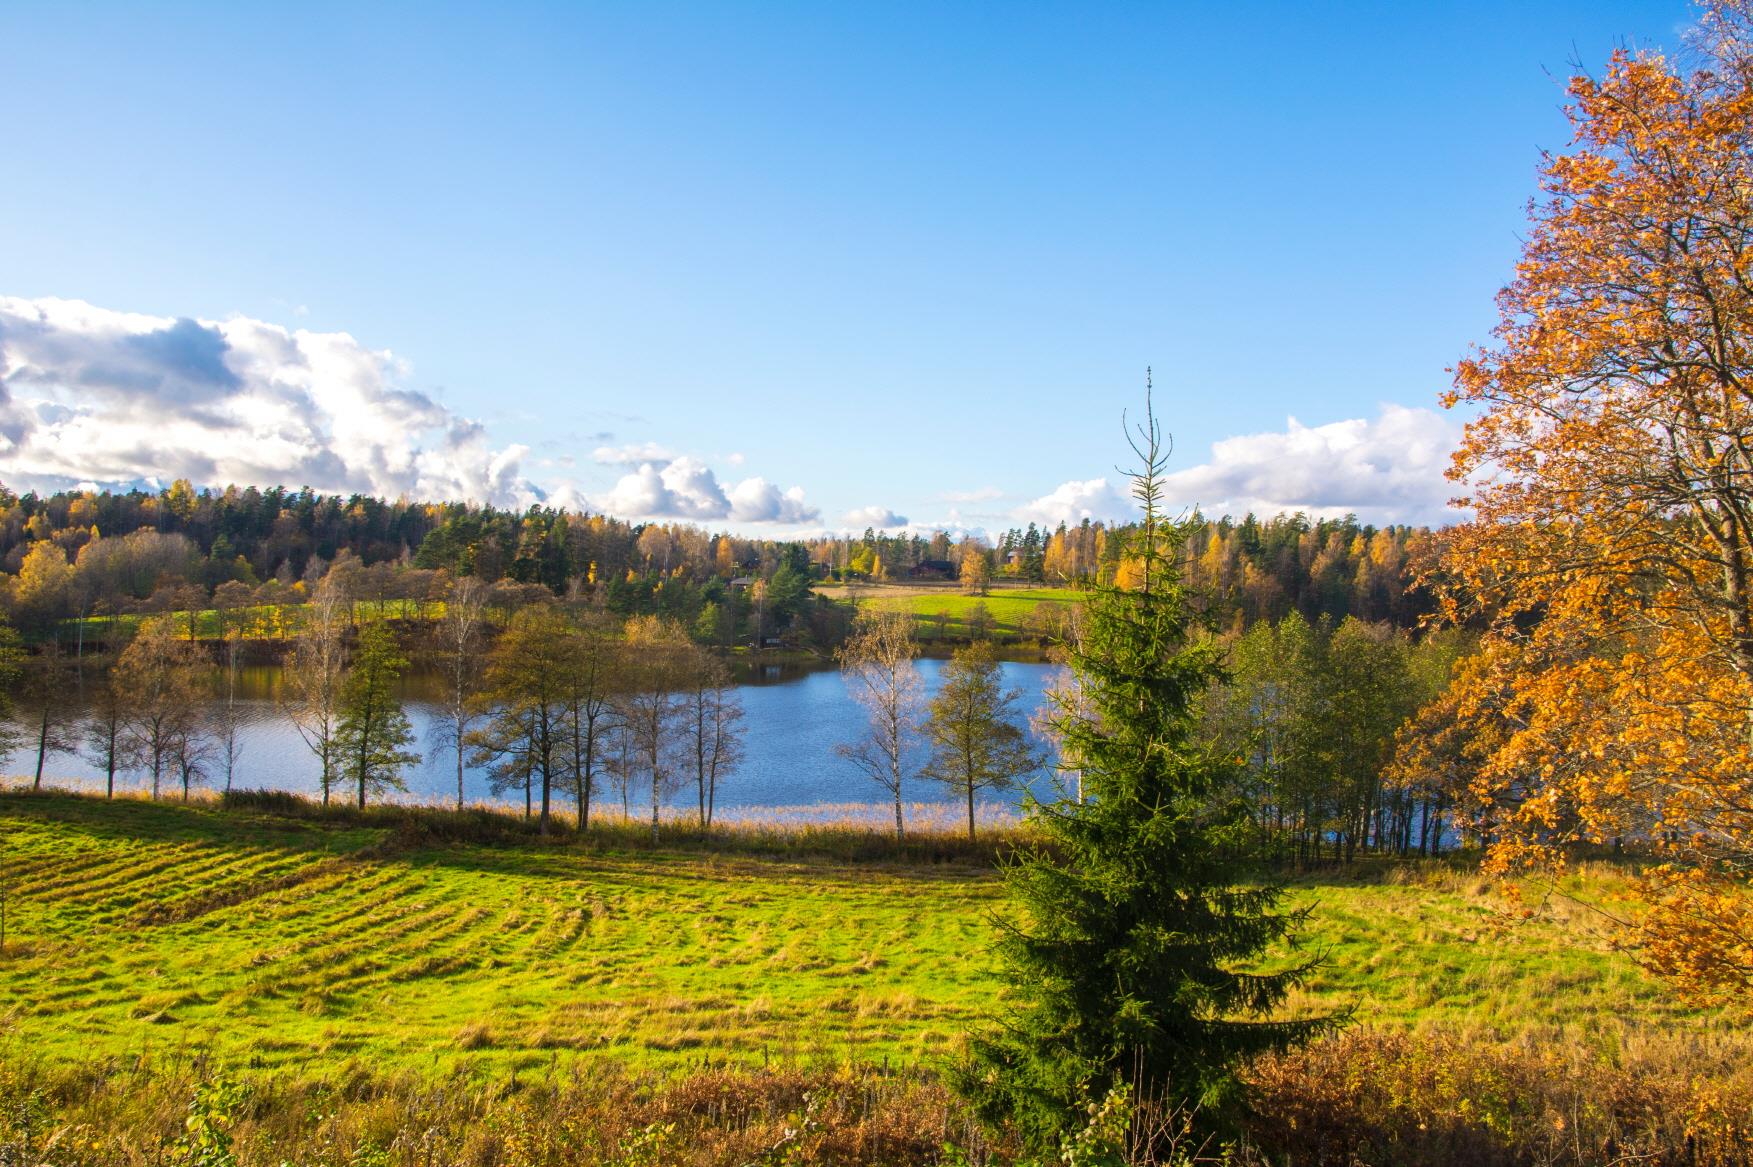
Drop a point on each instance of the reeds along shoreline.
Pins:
(936, 833)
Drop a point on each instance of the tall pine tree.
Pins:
(1143, 918)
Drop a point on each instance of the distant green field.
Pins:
(945, 611)
(140, 928)
(258, 621)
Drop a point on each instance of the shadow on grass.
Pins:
(489, 840)
(134, 818)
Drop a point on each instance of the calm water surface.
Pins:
(794, 718)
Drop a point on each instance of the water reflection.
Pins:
(796, 713)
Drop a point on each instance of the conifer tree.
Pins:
(1143, 920)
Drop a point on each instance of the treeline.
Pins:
(1242, 571)
(1317, 714)
(557, 703)
(189, 552)
(85, 553)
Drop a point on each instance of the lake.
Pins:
(794, 717)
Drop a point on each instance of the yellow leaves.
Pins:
(1611, 486)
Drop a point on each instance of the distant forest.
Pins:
(85, 553)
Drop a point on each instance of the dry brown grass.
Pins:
(1444, 1098)
(1436, 1098)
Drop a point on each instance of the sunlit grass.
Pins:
(945, 611)
(297, 939)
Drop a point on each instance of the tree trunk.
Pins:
(584, 779)
(42, 745)
(459, 735)
(364, 752)
(547, 767)
(970, 812)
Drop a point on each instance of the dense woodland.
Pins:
(85, 553)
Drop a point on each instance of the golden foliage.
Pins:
(1613, 472)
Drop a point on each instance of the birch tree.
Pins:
(161, 678)
(976, 743)
(317, 671)
(712, 728)
(462, 636)
(651, 706)
(877, 664)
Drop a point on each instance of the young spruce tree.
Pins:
(1143, 914)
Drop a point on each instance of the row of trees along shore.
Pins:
(97, 553)
(553, 700)
(563, 700)
(556, 701)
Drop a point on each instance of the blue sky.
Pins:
(844, 260)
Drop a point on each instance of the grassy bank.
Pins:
(396, 969)
(281, 940)
(282, 933)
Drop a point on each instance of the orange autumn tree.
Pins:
(1612, 549)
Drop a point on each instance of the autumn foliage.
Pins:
(1612, 479)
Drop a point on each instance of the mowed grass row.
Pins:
(138, 928)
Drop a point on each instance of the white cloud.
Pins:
(115, 398)
(1072, 503)
(681, 489)
(686, 488)
(755, 500)
(1385, 470)
(93, 396)
(879, 517)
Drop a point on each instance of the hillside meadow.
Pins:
(944, 612)
(383, 954)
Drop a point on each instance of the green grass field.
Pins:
(294, 942)
(943, 611)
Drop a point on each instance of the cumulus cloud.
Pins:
(1384, 470)
(879, 517)
(680, 489)
(1073, 502)
(88, 394)
(755, 500)
(685, 488)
